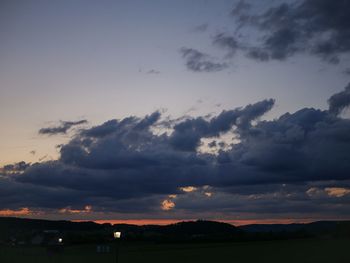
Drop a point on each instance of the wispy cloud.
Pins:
(62, 128)
(200, 62)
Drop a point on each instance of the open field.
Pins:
(318, 251)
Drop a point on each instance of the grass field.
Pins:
(293, 251)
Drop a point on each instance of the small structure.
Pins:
(103, 249)
(53, 241)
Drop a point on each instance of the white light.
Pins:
(60, 240)
(117, 234)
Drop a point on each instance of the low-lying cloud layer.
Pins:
(296, 165)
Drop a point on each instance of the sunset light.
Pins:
(174, 131)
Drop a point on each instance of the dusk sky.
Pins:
(175, 110)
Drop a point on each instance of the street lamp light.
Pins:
(60, 240)
(117, 235)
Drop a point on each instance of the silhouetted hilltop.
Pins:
(201, 227)
(314, 227)
(88, 231)
(83, 232)
(39, 224)
(192, 230)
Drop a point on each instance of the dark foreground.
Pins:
(311, 250)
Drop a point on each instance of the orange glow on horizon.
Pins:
(20, 212)
(266, 221)
(68, 210)
(138, 222)
(173, 221)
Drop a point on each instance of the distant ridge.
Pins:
(317, 225)
(23, 228)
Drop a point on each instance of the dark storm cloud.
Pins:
(227, 42)
(279, 31)
(113, 126)
(15, 168)
(148, 121)
(103, 129)
(318, 27)
(187, 134)
(199, 62)
(15, 194)
(61, 129)
(299, 161)
(339, 101)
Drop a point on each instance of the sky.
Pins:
(157, 111)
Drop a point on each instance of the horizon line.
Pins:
(163, 222)
(234, 222)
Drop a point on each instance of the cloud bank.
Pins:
(295, 165)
